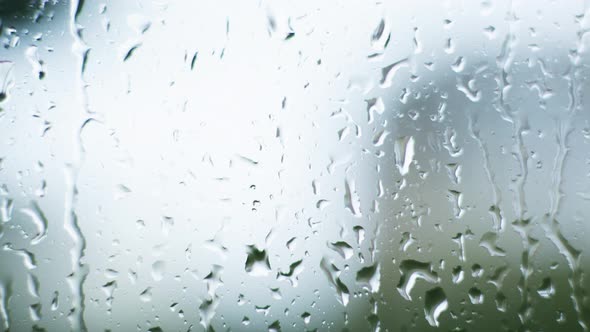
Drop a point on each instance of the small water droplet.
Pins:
(306, 317)
(435, 303)
(404, 153)
(158, 270)
(257, 262)
(351, 198)
(342, 248)
(475, 295)
(138, 23)
(546, 290)
(146, 295)
(411, 271)
(371, 276)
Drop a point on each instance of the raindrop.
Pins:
(475, 295)
(371, 276)
(158, 270)
(546, 290)
(257, 262)
(351, 198)
(342, 248)
(412, 271)
(388, 72)
(404, 153)
(139, 23)
(146, 295)
(435, 303)
(6, 79)
(458, 274)
(381, 36)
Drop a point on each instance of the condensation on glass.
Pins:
(294, 166)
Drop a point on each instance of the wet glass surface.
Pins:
(294, 166)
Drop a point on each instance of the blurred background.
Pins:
(294, 166)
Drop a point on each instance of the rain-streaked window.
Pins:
(216, 165)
